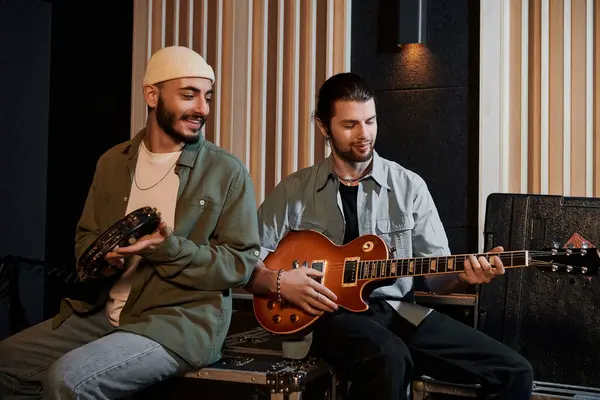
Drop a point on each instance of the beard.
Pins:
(350, 154)
(167, 120)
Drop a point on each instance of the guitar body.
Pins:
(318, 252)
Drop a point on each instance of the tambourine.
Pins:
(124, 232)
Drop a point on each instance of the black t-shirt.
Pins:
(349, 195)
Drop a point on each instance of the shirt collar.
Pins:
(378, 172)
(188, 156)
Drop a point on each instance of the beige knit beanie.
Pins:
(176, 62)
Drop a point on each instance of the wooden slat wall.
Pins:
(539, 98)
(269, 57)
(554, 110)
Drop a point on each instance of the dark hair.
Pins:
(345, 86)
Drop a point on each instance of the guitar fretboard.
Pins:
(396, 268)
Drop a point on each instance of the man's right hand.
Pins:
(298, 287)
(116, 263)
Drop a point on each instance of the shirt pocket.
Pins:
(196, 216)
(196, 206)
(396, 231)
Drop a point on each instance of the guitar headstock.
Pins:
(570, 261)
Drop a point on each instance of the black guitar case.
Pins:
(554, 321)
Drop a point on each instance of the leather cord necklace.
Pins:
(352, 180)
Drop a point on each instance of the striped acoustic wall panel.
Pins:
(539, 98)
(269, 57)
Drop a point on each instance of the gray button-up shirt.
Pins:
(393, 203)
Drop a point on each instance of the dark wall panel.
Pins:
(89, 108)
(377, 58)
(427, 102)
(89, 113)
(24, 99)
(426, 131)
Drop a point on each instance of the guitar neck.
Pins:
(420, 266)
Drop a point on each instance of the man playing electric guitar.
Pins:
(354, 192)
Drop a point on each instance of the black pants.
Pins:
(379, 352)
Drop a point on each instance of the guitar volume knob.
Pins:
(270, 304)
(277, 318)
(294, 318)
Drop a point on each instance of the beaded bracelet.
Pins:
(279, 296)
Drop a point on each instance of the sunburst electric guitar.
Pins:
(349, 268)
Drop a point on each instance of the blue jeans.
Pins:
(76, 361)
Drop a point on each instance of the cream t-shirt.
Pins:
(155, 184)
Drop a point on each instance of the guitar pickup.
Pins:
(319, 266)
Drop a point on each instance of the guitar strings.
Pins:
(338, 267)
(460, 258)
(463, 257)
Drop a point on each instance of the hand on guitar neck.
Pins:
(477, 270)
(480, 270)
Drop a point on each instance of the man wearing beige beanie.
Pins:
(163, 307)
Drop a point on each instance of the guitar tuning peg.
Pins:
(583, 252)
(584, 270)
(569, 252)
(554, 268)
(554, 252)
(569, 268)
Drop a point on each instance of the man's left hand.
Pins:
(481, 270)
(144, 244)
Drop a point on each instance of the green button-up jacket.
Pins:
(181, 295)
